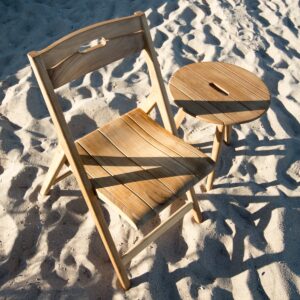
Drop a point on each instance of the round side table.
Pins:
(218, 93)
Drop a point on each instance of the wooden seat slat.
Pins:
(149, 169)
(124, 169)
(110, 190)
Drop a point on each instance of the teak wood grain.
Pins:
(124, 169)
(71, 43)
(56, 165)
(165, 169)
(219, 93)
(184, 162)
(131, 163)
(112, 191)
(158, 133)
(68, 146)
(79, 64)
(154, 171)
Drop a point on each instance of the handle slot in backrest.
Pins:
(71, 43)
(92, 45)
(93, 58)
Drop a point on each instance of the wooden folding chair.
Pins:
(131, 163)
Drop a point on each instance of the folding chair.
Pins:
(131, 163)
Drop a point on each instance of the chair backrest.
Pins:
(73, 56)
(70, 57)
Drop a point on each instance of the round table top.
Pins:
(219, 93)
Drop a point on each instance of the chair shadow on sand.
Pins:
(214, 260)
(62, 226)
(286, 149)
(215, 253)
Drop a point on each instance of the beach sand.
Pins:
(247, 247)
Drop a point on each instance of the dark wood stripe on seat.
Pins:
(140, 171)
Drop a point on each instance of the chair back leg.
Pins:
(53, 171)
(196, 208)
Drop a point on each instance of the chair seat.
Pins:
(138, 166)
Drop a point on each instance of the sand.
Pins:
(247, 247)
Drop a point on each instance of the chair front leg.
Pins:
(110, 247)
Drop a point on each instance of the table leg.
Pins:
(227, 134)
(196, 211)
(179, 117)
(216, 149)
